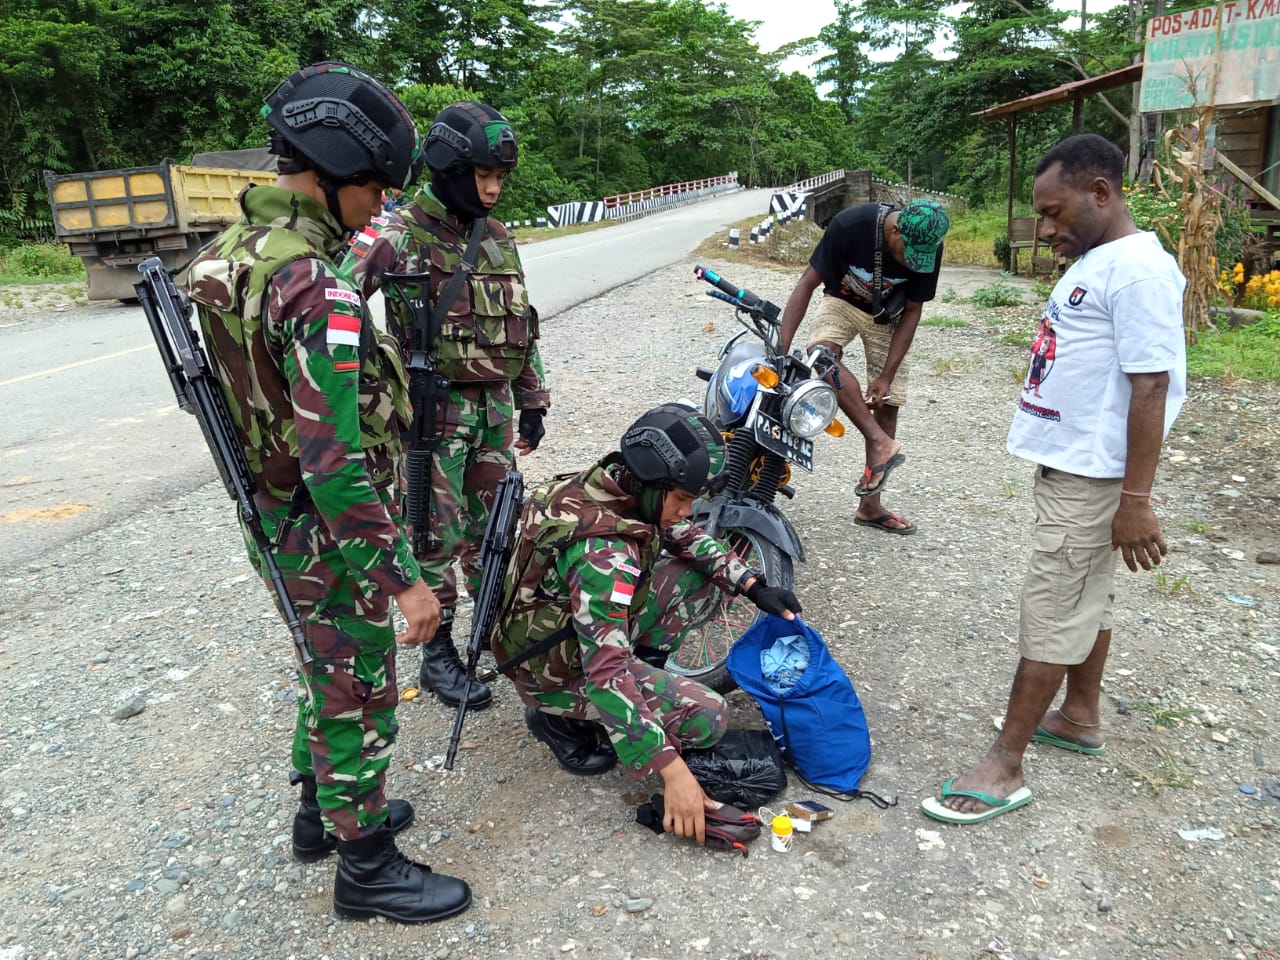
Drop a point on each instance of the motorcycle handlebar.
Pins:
(747, 298)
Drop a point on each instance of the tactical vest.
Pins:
(487, 332)
(564, 511)
(228, 282)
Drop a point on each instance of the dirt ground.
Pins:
(148, 704)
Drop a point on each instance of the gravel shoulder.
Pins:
(148, 704)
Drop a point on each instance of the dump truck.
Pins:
(115, 219)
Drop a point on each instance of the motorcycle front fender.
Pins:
(762, 518)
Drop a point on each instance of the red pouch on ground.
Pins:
(728, 828)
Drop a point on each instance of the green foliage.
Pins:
(607, 96)
(1250, 352)
(1002, 250)
(39, 262)
(997, 293)
(1159, 210)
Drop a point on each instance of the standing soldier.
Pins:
(487, 350)
(606, 579)
(317, 401)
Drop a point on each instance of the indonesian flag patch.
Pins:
(344, 330)
(622, 593)
(362, 241)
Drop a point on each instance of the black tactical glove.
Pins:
(531, 428)
(772, 599)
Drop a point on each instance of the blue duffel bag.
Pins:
(809, 704)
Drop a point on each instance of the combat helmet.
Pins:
(340, 122)
(673, 446)
(468, 134)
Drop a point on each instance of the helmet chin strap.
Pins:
(331, 200)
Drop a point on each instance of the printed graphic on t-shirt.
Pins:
(857, 283)
(1044, 352)
(1077, 296)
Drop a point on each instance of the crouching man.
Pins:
(606, 579)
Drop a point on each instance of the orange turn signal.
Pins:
(765, 376)
(835, 428)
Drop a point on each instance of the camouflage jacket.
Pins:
(490, 332)
(317, 395)
(582, 569)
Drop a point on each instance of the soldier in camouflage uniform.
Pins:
(318, 401)
(487, 349)
(607, 576)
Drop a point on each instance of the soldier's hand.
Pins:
(422, 611)
(685, 802)
(531, 429)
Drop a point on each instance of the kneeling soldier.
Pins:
(607, 577)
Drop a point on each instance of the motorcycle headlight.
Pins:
(809, 408)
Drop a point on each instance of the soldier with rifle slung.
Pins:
(471, 326)
(318, 402)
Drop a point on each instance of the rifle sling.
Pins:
(541, 647)
(450, 291)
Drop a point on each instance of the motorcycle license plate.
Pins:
(776, 438)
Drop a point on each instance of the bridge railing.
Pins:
(637, 203)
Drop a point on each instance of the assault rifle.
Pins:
(495, 556)
(426, 388)
(199, 392)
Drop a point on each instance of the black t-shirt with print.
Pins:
(845, 258)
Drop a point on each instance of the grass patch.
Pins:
(946, 365)
(1018, 338)
(1170, 586)
(788, 244)
(1018, 372)
(1250, 352)
(998, 293)
(40, 263)
(1162, 717)
(1167, 773)
(942, 320)
(1197, 526)
(971, 239)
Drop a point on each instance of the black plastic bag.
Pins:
(744, 768)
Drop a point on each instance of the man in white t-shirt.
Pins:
(1107, 379)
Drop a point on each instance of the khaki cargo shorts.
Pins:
(838, 321)
(1070, 587)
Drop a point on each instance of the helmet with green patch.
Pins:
(471, 134)
(340, 122)
(673, 446)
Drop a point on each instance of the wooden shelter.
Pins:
(1073, 93)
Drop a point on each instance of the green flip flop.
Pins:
(938, 810)
(1044, 736)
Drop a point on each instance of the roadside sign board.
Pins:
(1240, 39)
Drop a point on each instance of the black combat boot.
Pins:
(311, 841)
(444, 675)
(576, 744)
(375, 879)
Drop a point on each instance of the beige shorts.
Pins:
(838, 321)
(1070, 588)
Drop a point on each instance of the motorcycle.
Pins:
(770, 406)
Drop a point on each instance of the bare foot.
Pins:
(1056, 723)
(990, 777)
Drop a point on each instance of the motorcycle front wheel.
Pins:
(701, 655)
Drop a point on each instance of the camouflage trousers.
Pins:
(694, 716)
(347, 696)
(474, 454)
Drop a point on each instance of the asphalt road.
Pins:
(91, 431)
